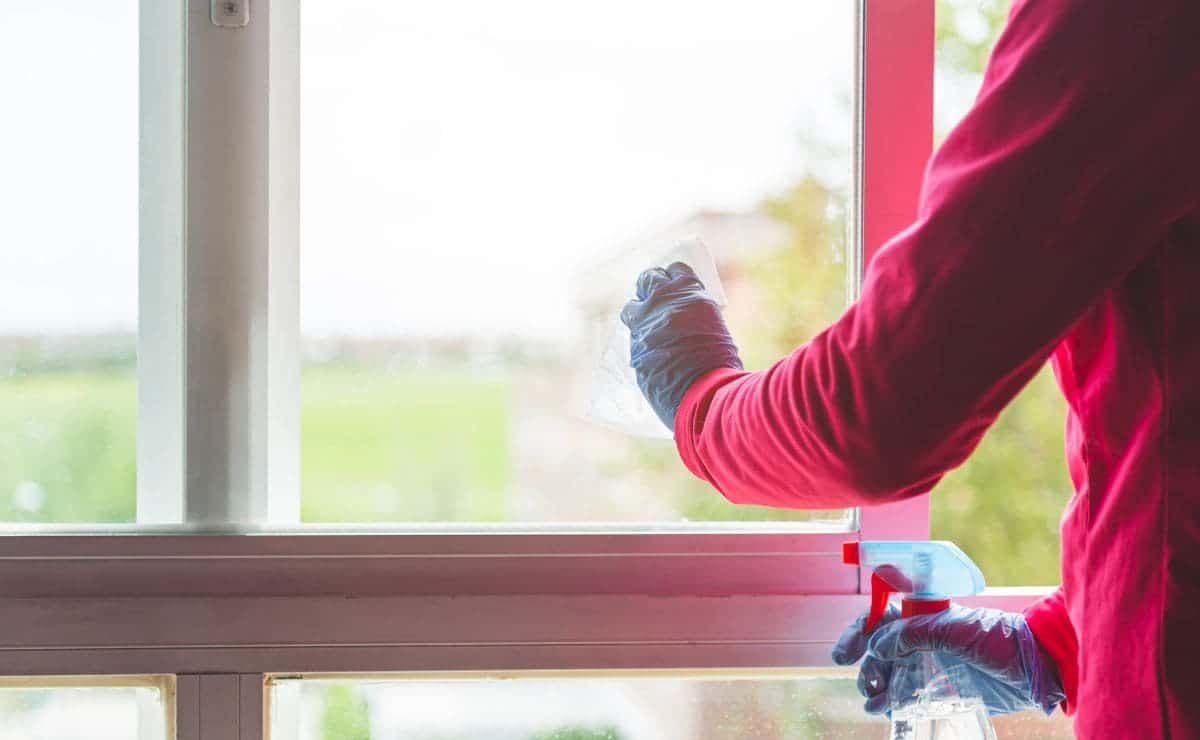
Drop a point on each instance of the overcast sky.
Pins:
(460, 160)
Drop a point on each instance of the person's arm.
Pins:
(1079, 153)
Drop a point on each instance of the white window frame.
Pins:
(223, 605)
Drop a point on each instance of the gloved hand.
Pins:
(996, 649)
(677, 334)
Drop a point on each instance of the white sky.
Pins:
(460, 160)
(68, 165)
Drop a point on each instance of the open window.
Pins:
(370, 237)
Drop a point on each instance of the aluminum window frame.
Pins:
(220, 602)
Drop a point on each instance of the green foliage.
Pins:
(800, 283)
(344, 715)
(966, 31)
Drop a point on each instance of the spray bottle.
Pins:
(945, 703)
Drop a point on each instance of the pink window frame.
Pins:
(896, 136)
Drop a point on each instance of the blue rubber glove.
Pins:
(677, 334)
(996, 649)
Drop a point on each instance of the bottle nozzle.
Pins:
(927, 573)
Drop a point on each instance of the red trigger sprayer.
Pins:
(928, 700)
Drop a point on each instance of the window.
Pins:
(563, 707)
(614, 706)
(68, 267)
(111, 707)
(449, 518)
(473, 179)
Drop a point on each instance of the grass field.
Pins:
(67, 447)
(376, 446)
(414, 446)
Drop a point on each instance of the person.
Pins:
(1059, 220)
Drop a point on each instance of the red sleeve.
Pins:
(1079, 153)
(1051, 625)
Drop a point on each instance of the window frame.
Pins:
(218, 380)
(220, 603)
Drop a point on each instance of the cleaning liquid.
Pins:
(942, 720)
(940, 710)
(933, 701)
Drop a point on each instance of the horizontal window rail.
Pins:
(436, 564)
(294, 603)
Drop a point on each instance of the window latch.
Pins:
(230, 13)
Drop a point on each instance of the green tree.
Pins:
(965, 31)
(802, 279)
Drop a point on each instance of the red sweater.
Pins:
(1060, 219)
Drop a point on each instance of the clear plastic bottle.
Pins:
(944, 709)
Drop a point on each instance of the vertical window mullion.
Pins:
(220, 706)
(240, 306)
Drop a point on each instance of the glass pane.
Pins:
(68, 265)
(1003, 506)
(73, 712)
(660, 708)
(470, 168)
